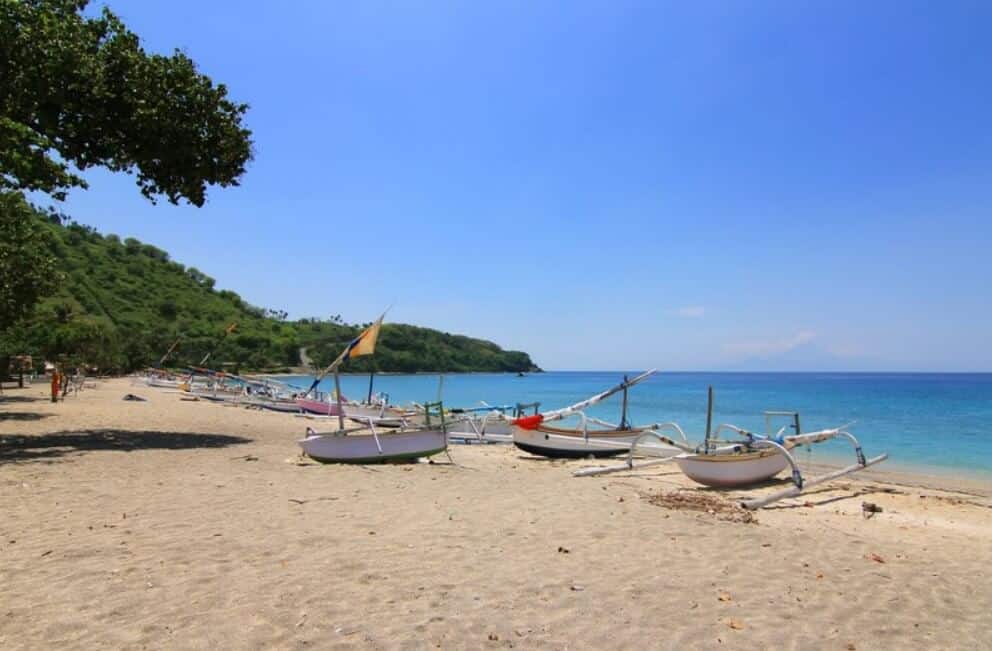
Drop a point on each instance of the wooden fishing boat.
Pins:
(485, 424)
(749, 460)
(383, 415)
(373, 446)
(484, 429)
(560, 442)
(275, 404)
(367, 444)
(732, 470)
(162, 383)
(532, 433)
(319, 407)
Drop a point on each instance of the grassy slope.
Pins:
(144, 301)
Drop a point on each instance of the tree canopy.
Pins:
(27, 265)
(80, 91)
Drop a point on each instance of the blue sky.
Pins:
(711, 185)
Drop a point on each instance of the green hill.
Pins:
(123, 303)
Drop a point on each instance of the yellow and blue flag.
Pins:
(364, 344)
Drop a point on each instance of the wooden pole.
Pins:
(371, 376)
(169, 352)
(623, 415)
(337, 390)
(792, 491)
(709, 417)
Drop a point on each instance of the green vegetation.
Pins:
(79, 92)
(27, 269)
(121, 304)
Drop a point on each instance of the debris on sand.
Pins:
(869, 509)
(690, 500)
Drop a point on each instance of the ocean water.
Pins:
(931, 421)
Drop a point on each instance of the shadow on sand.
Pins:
(4, 399)
(50, 446)
(22, 415)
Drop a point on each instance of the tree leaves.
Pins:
(81, 91)
(27, 266)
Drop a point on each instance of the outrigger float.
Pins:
(748, 460)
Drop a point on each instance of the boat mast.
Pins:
(709, 418)
(371, 376)
(169, 352)
(337, 390)
(624, 425)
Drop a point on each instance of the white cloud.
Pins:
(770, 347)
(691, 312)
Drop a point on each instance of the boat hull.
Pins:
(160, 383)
(362, 448)
(284, 406)
(318, 407)
(557, 442)
(732, 470)
(388, 417)
(480, 430)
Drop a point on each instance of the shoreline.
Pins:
(897, 471)
(833, 458)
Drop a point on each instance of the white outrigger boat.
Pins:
(749, 460)
(485, 424)
(532, 433)
(365, 444)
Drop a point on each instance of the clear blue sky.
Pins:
(606, 185)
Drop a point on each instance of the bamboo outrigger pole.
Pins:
(792, 491)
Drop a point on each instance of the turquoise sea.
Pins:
(931, 421)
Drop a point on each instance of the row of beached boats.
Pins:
(375, 431)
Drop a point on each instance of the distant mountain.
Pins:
(123, 303)
(807, 355)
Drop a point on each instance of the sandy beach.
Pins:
(177, 524)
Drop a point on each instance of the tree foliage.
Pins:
(81, 91)
(27, 264)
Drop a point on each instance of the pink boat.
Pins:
(321, 407)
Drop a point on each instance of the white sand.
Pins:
(172, 524)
